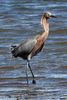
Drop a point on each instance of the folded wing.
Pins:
(24, 49)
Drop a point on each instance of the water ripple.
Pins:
(20, 20)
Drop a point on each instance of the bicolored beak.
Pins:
(53, 16)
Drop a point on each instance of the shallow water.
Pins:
(20, 20)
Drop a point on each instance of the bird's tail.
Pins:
(13, 50)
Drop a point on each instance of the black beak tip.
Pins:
(53, 16)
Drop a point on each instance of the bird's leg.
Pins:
(27, 73)
(31, 72)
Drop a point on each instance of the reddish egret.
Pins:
(30, 48)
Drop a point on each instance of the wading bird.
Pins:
(30, 48)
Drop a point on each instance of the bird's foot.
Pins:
(33, 82)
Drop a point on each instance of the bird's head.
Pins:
(44, 20)
(48, 15)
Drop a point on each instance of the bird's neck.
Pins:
(45, 25)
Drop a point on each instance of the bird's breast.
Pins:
(38, 47)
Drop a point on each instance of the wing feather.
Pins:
(24, 48)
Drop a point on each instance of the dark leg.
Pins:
(27, 73)
(34, 82)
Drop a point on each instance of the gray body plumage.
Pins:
(24, 49)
